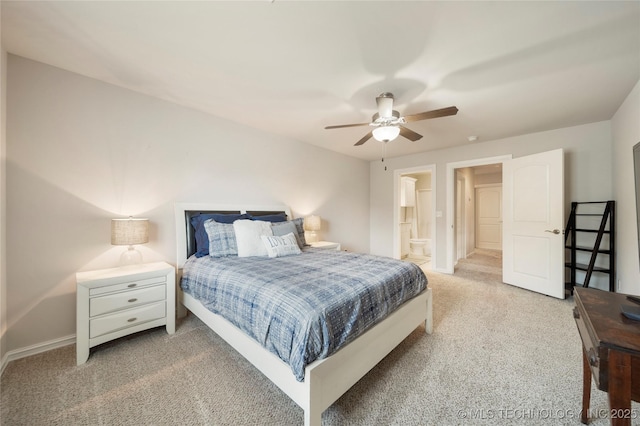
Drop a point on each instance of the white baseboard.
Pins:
(4, 363)
(36, 349)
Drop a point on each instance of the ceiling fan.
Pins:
(387, 123)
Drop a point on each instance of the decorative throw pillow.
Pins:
(283, 228)
(286, 245)
(248, 237)
(222, 239)
(202, 239)
(299, 223)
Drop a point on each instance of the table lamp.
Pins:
(312, 224)
(128, 232)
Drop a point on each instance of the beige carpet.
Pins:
(498, 355)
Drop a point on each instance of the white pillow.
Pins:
(248, 237)
(287, 245)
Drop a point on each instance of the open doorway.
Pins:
(414, 215)
(488, 206)
(478, 212)
(473, 213)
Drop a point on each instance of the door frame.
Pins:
(450, 192)
(396, 207)
(460, 227)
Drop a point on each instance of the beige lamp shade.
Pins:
(312, 223)
(127, 232)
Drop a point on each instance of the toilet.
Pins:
(420, 246)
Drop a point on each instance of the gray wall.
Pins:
(81, 152)
(626, 133)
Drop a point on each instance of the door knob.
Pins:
(555, 231)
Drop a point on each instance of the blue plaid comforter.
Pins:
(303, 308)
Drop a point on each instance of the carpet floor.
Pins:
(499, 355)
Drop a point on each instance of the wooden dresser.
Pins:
(611, 352)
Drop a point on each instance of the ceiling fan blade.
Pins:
(436, 113)
(340, 126)
(364, 139)
(409, 134)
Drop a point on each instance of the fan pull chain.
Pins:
(384, 153)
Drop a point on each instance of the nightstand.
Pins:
(328, 245)
(112, 303)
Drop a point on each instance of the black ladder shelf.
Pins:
(582, 247)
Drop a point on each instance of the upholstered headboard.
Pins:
(185, 234)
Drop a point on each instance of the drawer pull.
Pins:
(576, 314)
(132, 300)
(132, 285)
(593, 358)
(132, 319)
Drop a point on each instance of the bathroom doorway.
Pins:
(415, 213)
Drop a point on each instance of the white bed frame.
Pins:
(325, 380)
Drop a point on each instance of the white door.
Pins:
(533, 243)
(489, 217)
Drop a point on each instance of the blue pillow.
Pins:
(202, 239)
(280, 217)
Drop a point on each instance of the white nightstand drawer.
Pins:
(126, 299)
(126, 285)
(123, 319)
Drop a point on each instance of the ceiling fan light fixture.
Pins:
(387, 122)
(386, 133)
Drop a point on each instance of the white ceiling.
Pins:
(291, 68)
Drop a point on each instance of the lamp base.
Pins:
(131, 257)
(311, 236)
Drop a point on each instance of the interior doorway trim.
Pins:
(460, 215)
(396, 207)
(450, 192)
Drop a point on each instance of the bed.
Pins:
(315, 383)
